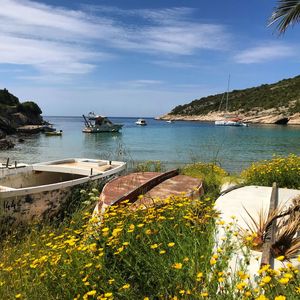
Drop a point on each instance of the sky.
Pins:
(138, 58)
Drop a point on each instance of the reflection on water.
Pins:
(172, 143)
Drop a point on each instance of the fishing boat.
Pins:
(154, 186)
(100, 124)
(40, 191)
(54, 133)
(229, 120)
(141, 122)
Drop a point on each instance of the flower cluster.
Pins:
(283, 170)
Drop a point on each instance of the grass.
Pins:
(211, 174)
(167, 251)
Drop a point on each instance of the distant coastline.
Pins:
(270, 116)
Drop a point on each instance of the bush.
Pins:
(29, 107)
(6, 98)
(285, 171)
(211, 174)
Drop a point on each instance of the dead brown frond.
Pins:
(287, 243)
(258, 227)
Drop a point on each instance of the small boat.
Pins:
(100, 124)
(154, 186)
(54, 133)
(170, 121)
(141, 122)
(40, 191)
(230, 122)
(48, 128)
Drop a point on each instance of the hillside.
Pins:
(267, 103)
(14, 114)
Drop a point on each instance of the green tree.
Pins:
(286, 13)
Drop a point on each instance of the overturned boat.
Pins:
(154, 186)
(40, 191)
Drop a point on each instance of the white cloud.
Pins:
(265, 53)
(56, 40)
(140, 83)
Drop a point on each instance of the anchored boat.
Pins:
(100, 124)
(141, 122)
(39, 191)
(229, 120)
(54, 133)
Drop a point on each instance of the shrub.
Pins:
(211, 174)
(6, 98)
(285, 171)
(30, 107)
(150, 166)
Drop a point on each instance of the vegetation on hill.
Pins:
(283, 94)
(8, 99)
(13, 113)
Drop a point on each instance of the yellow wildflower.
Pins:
(154, 246)
(280, 258)
(177, 266)
(126, 286)
(91, 293)
(109, 294)
(284, 280)
(171, 244)
(266, 279)
(280, 297)
(261, 297)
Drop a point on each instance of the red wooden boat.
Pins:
(152, 185)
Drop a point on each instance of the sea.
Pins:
(173, 144)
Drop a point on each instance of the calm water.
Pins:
(174, 144)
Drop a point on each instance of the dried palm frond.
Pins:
(258, 227)
(255, 227)
(287, 243)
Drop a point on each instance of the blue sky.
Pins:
(138, 58)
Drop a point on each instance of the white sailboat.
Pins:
(229, 120)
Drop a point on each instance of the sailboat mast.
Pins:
(227, 93)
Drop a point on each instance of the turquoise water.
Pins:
(174, 144)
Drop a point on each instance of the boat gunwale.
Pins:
(59, 185)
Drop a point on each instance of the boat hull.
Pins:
(230, 123)
(154, 186)
(99, 129)
(43, 191)
(35, 207)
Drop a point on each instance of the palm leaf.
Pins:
(286, 13)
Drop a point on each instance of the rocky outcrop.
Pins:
(270, 116)
(14, 114)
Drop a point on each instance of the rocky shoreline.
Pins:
(270, 116)
(17, 119)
